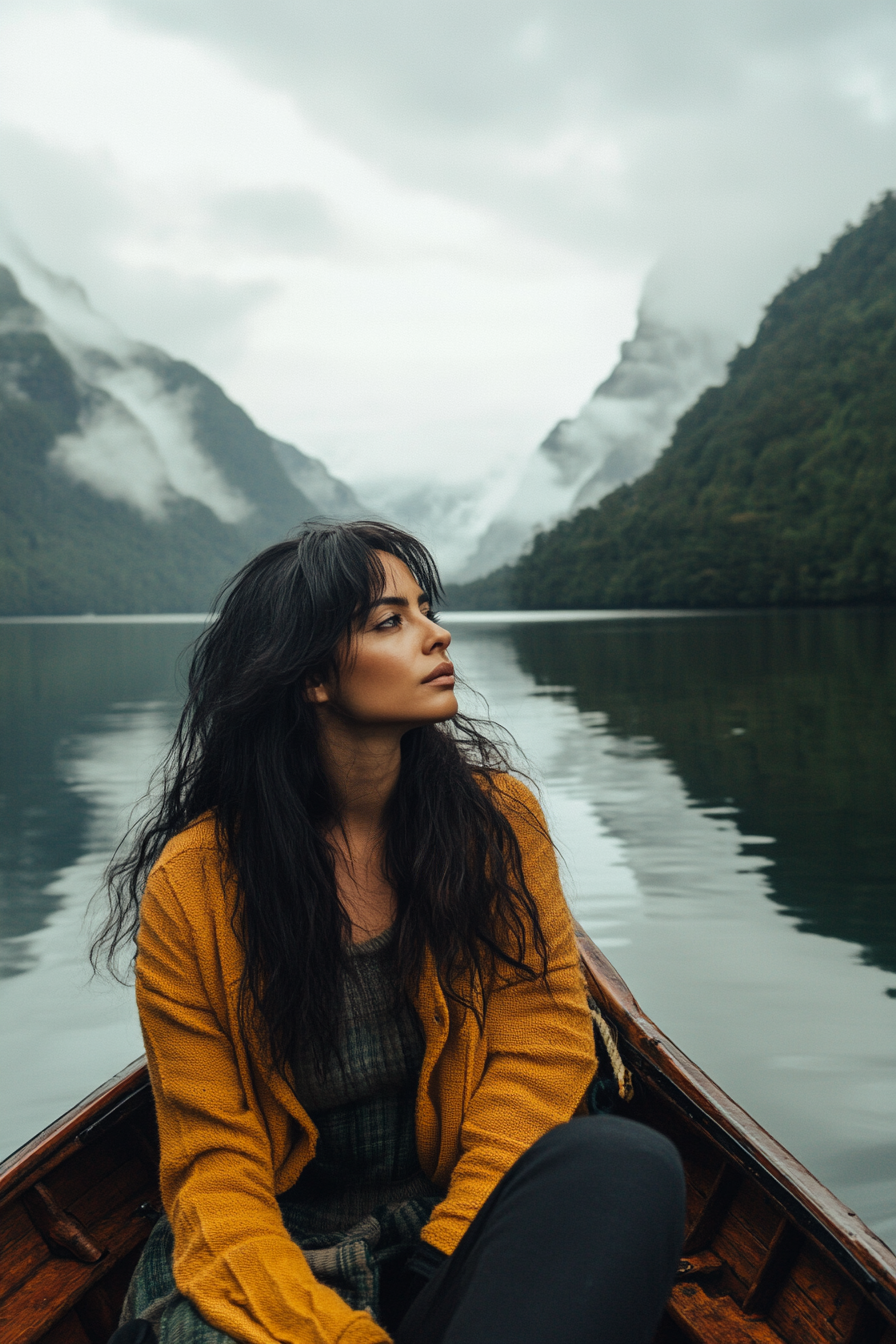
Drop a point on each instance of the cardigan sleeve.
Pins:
(233, 1258)
(539, 1042)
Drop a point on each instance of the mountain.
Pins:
(616, 436)
(131, 482)
(448, 517)
(778, 487)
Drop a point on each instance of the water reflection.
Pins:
(787, 719)
(62, 1033)
(85, 714)
(721, 788)
(61, 684)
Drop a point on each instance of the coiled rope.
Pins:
(620, 1072)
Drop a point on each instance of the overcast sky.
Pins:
(409, 235)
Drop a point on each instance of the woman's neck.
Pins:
(362, 770)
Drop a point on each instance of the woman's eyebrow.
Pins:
(398, 601)
(391, 602)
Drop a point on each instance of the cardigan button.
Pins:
(437, 1018)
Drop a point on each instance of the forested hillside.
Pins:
(777, 488)
(129, 481)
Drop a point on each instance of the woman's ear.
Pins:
(316, 692)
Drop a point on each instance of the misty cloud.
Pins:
(617, 435)
(732, 137)
(287, 220)
(135, 439)
(414, 240)
(134, 444)
(116, 456)
(167, 417)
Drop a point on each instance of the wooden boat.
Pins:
(771, 1256)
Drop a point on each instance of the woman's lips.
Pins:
(443, 675)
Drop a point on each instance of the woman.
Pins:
(364, 1017)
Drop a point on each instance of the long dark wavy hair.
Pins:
(246, 751)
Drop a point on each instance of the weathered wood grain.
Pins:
(704, 1318)
(714, 1208)
(60, 1229)
(69, 1217)
(852, 1251)
(776, 1265)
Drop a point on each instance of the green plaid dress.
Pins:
(363, 1200)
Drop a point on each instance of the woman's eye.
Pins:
(390, 622)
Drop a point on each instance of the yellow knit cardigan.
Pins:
(234, 1135)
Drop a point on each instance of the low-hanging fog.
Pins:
(411, 238)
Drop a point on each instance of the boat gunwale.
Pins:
(75, 1129)
(836, 1229)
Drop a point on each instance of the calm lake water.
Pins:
(721, 787)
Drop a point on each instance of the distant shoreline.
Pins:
(497, 617)
(136, 618)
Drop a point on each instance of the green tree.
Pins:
(778, 488)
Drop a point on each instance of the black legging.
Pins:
(578, 1244)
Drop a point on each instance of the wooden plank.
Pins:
(831, 1293)
(869, 1325)
(800, 1321)
(755, 1211)
(745, 1234)
(22, 1248)
(715, 1320)
(124, 1228)
(126, 1187)
(89, 1167)
(104, 1208)
(100, 1308)
(146, 1138)
(714, 1208)
(815, 1305)
(702, 1265)
(57, 1286)
(775, 1268)
(44, 1299)
(59, 1228)
(700, 1156)
(15, 1227)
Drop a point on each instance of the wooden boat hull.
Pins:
(770, 1254)
(76, 1205)
(771, 1257)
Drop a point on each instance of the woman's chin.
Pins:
(443, 710)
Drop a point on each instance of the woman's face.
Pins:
(399, 672)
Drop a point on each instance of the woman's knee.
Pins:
(618, 1138)
(597, 1150)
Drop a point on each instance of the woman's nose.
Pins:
(439, 636)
